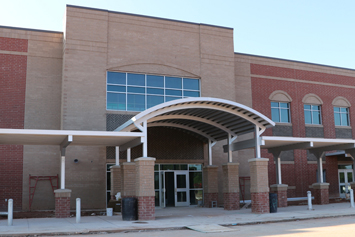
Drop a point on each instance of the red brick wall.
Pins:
(146, 208)
(62, 207)
(231, 201)
(260, 202)
(11, 44)
(301, 174)
(12, 108)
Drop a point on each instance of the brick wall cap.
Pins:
(259, 160)
(231, 164)
(62, 191)
(210, 166)
(278, 186)
(128, 163)
(145, 159)
(320, 185)
(115, 167)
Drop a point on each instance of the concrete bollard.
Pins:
(10, 212)
(309, 197)
(78, 210)
(352, 198)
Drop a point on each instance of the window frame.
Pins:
(311, 111)
(340, 113)
(166, 96)
(279, 108)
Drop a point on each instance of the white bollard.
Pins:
(78, 210)
(352, 198)
(309, 196)
(10, 212)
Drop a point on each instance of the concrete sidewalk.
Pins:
(170, 218)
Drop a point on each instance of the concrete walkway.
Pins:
(170, 218)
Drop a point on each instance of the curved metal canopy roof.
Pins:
(210, 117)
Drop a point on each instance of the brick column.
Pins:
(321, 193)
(128, 183)
(62, 203)
(259, 185)
(281, 190)
(231, 186)
(210, 184)
(145, 188)
(116, 180)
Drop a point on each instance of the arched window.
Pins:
(280, 106)
(312, 109)
(341, 111)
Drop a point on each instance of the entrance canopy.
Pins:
(57, 137)
(211, 118)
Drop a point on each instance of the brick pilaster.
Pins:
(210, 185)
(145, 188)
(281, 191)
(259, 185)
(116, 180)
(321, 193)
(128, 181)
(62, 203)
(231, 186)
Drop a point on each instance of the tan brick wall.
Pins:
(145, 177)
(128, 179)
(230, 178)
(116, 179)
(259, 182)
(210, 179)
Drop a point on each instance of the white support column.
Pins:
(257, 142)
(145, 143)
(209, 152)
(278, 170)
(117, 155)
(128, 154)
(62, 172)
(320, 169)
(229, 140)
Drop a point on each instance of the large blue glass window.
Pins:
(341, 116)
(280, 112)
(137, 92)
(312, 114)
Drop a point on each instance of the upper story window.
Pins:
(280, 106)
(280, 112)
(312, 114)
(312, 109)
(137, 92)
(341, 116)
(341, 111)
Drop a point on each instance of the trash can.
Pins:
(273, 202)
(129, 209)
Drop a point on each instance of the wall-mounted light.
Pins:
(76, 160)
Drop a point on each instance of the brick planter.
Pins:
(62, 203)
(321, 193)
(281, 191)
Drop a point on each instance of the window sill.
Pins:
(343, 127)
(314, 125)
(283, 124)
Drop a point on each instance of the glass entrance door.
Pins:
(345, 177)
(181, 188)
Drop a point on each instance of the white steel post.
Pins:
(145, 143)
(309, 197)
(117, 155)
(320, 169)
(278, 170)
(209, 152)
(352, 198)
(128, 154)
(10, 212)
(78, 210)
(229, 140)
(257, 142)
(62, 172)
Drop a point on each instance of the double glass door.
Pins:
(345, 177)
(174, 188)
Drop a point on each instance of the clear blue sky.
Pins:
(317, 31)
